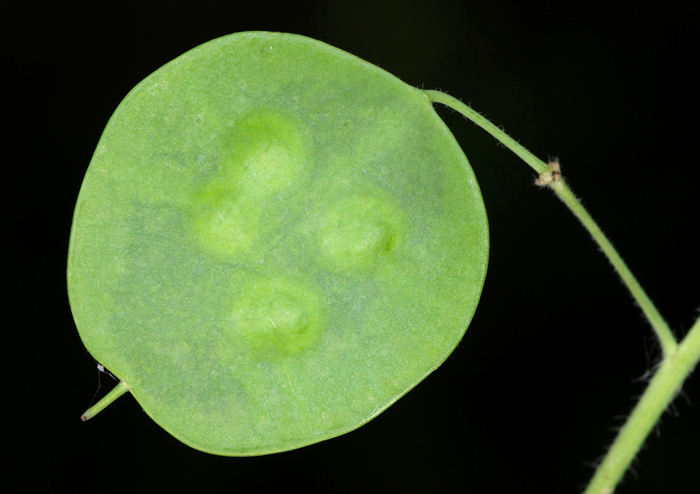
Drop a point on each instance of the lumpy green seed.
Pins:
(262, 156)
(279, 316)
(228, 229)
(268, 171)
(358, 233)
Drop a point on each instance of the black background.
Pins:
(552, 361)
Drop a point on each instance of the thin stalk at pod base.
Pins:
(118, 390)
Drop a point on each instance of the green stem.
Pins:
(663, 387)
(118, 390)
(537, 164)
(679, 359)
(663, 332)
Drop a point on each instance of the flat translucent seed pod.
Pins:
(274, 241)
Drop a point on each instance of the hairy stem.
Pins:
(679, 359)
(438, 97)
(118, 390)
(663, 387)
(663, 332)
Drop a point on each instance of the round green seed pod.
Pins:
(274, 241)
